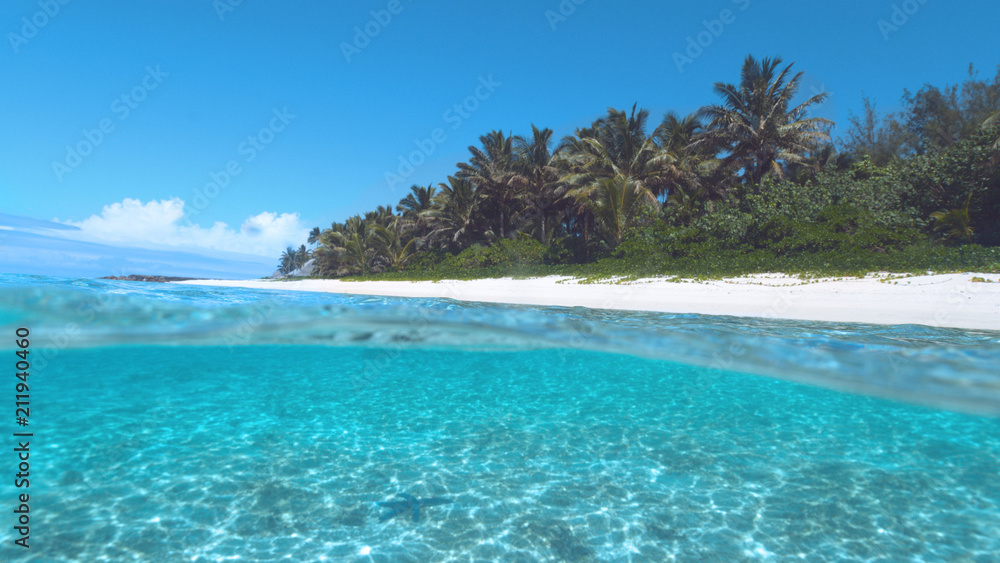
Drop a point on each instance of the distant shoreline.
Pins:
(943, 300)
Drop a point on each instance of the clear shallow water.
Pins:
(173, 424)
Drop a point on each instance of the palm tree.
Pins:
(302, 255)
(382, 215)
(954, 223)
(616, 203)
(538, 173)
(615, 145)
(413, 209)
(356, 243)
(413, 206)
(393, 245)
(314, 235)
(685, 203)
(688, 165)
(452, 217)
(288, 258)
(491, 169)
(613, 161)
(329, 255)
(755, 125)
(817, 161)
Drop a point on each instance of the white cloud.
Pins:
(161, 224)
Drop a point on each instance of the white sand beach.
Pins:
(945, 300)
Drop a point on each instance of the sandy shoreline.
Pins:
(947, 300)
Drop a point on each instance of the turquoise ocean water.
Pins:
(184, 423)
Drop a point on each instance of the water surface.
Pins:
(201, 424)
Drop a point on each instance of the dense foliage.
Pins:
(750, 184)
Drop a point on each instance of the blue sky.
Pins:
(119, 114)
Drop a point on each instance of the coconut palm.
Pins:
(302, 255)
(328, 255)
(615, 145)
(954, 224)
(817, 161)
(382, 215)
(327, 258)
(541, 178)
(314, 235)
(413, 206)
(686, 203)
(492, 170)
(688, 166)
(756, 127)
(616, 203)
(677, 134)
(287, 263)
(452, 217)
(392, 244)
(355, 244)
(613, 161)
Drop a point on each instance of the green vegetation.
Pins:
(751, 184)
(293, 259)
